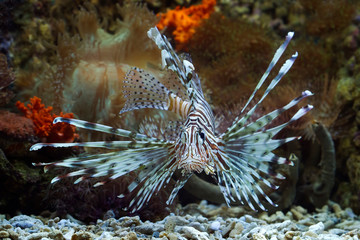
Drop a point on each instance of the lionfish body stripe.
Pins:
(237, 158)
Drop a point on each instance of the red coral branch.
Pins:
(185, 20)
(43, 122)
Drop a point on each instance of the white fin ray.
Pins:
(159, 175)
(251, 163)
(103, 128)
(283, 70)
(260, 148)
(273, 62)
(264, 120)
(103, 144)
(108, 164)
(179, 184)
(243, 184)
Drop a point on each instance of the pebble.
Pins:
(4, 234)
(215, 225)
(317, 228)
(326, 224)
(238, 228)
(192, 233)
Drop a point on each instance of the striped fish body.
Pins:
(238, 158)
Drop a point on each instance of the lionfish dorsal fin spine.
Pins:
(273, 62)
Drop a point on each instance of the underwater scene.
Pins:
(185, 119)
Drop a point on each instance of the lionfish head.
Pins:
(193, 151)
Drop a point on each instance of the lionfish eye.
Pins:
(202, 135)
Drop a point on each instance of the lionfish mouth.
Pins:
(192, 165)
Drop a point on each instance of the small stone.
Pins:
(337, 210)
(317, 228)
(131, 236)
(170, 224)
(82, 235)
(311, 234)
(237, 230)
(226, 229)
(291, 234)
(296, 214)
(13, 235)
(215, 225)
(7, 226)
(155, 234)
(37, 236)
(258, 236)
(4, 234)
(192, 233)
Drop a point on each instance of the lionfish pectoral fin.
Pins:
(250, 152)
(238, 129)
(179, 184)
(102, 144)
(154, 178)
(239, 181)
(103, 128)
(111, 165)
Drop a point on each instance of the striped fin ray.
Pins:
(170, 59)
(283, 70)
(258, 148)
(103, 144)
(103, 128)
(179, 184)
(113, 165)
(239, 180)
(158, 176)
(250, 154)
(142, 90)
(149, 170)
(249, 172)
(273, 62)
(183, 68)
(250, 161)
(262, 121)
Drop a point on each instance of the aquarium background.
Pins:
(68, 58)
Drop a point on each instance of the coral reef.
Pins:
(182, 22)
(16, 134)
(7, 78)
(18, 181)
(43, 122)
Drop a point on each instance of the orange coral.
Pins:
(185, 20)
(43, 121)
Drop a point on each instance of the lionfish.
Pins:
(238, 159)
